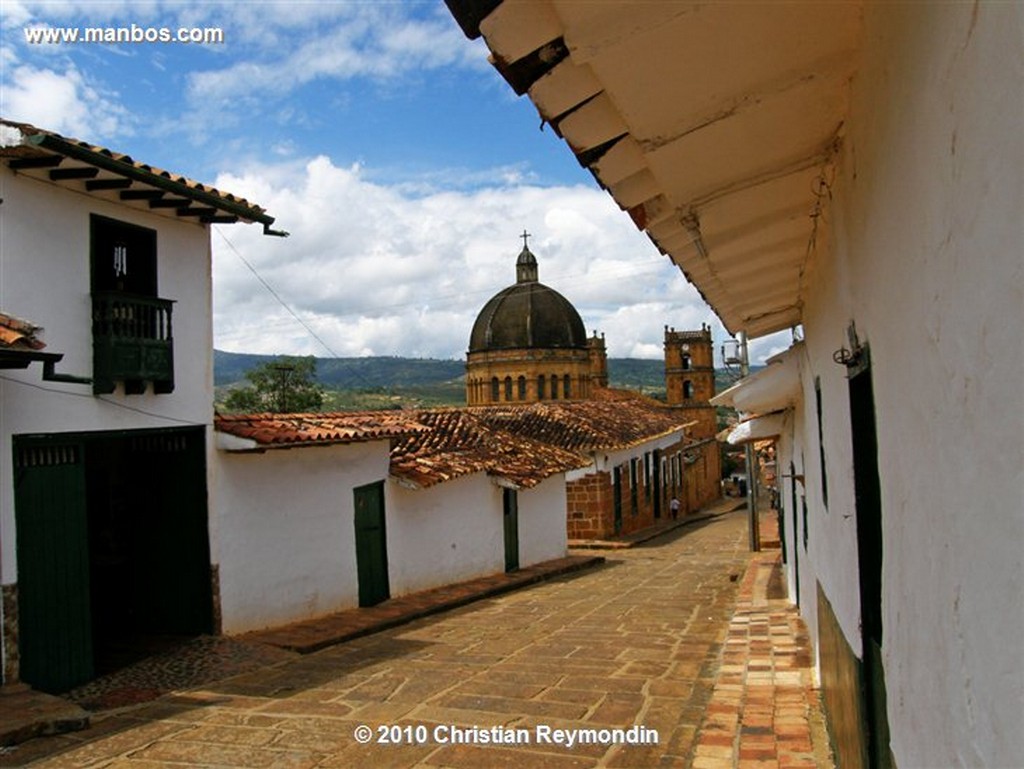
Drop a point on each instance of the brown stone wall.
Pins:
(840, 689)
(9, 599)
(589, 506)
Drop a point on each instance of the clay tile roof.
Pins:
(461, 442)
(521, 444)
(17, 334)
(286, 430)
(27, 142)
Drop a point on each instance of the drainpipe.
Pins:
(755, 533)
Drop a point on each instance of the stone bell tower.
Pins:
(690, 377)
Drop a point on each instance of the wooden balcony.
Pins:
(132, 342)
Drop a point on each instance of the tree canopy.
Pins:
(285, 385)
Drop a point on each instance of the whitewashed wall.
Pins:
(455, 531)
(446, 533)
(925, 256)
(44, 278)
(286, 547)
(542, 530)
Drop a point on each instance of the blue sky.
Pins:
(381, 138)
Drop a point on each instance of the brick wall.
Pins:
(589, 505)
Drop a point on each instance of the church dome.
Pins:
(527, 315)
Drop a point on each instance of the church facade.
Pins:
(528, 349)
(529, 345)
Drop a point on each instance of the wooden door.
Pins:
(55, 624)
(867, 491)
(510, 505)
(371, 544)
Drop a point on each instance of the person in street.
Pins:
(673, 506)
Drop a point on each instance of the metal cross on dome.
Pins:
(524, 236)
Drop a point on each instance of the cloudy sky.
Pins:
(378, 136)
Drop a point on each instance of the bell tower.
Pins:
(690, 377)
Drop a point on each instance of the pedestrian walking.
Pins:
(673, 506)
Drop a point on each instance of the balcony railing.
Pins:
(132, 342)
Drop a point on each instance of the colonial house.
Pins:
(106, 528)
(850, 171)
(436, 497)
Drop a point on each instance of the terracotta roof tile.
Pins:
(34, 142)
(17, 334)
(522, 444)
(282, 430)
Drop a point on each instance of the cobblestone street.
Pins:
(677, 636)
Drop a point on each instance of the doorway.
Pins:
(371, 544)
(113, 550)
(510, 518)
(868, 496)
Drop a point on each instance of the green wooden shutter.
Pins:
(55, 624)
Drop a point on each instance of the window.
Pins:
(687, 361)
(554, 387)
(508, 388)
(541, 383)
(821, 442)
(495, 390)
(131, 326)
(566, 386)
(687, 389)
(522, 388)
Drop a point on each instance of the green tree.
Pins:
(286, 385)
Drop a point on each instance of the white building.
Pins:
(436, 497)
(853, 170)
(105, 532)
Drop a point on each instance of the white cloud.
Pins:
(63, 102)
(351, 40)
(374, 271)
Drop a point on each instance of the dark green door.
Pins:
(510, 505)
(617, 498)
(55, 624)
(371, 545)
(868, 495)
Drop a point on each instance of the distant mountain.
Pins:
(390, 372)
(348, 373)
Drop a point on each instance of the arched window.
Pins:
(495, 389)
(687, 389)
(541, 383)
(522, 388)
(508, 388)
(554, 387)
(566, 386)
(687, 363)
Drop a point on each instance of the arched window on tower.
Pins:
(508, 388)
(522, 388)
(541, 384)
(567, 386)
(687, 389)
(495, 389)
(687, 361)
(554, 387)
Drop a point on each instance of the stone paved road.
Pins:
(634, 642)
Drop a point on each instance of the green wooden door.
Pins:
(617, 499)
(55, 625)
(371, 544)
(510, 506)
(868, 495)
